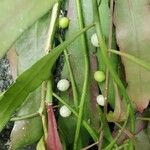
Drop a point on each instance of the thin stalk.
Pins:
(85, 84)
(143, 118)
(107, 71)
(90, 146)
(74, 88)
(49, 93)
(49, 46)
(102, 120)
(122, 146)
(28, 116)
(49, 90)
(42, 111)
(101, 139)
(108, 63)
(85, 124)
(50, 37)
(52, 29)
(127, 132)
(109, 55)
(136, 60)
(104, 127)
(110, 146)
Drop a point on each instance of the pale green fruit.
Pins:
(99, 76)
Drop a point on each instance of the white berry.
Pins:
(100, 100)
(63, 85)
(64, 111)
(94, 40)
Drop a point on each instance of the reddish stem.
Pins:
(53, 140)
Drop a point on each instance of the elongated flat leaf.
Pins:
(132, 20)
(76, 57)
(105, 15)
(16, 16)
(30, 48)
(29, 81)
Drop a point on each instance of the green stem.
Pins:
(90, 146)
(108, 63)
(127, 132)
(74, 88)
(107, 73)
(42, 111)
(109, 147)
(53, 26)
(29, 116)
(85, 124)
(143, 118)
(48, 46)
(122, 146)
(49, 92)
(104, 125)
(136, 60)
(85, 84)
(109, 55)
(101, 139)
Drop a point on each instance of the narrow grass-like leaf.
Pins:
(105, 15)
(30, 80)
(77, 61)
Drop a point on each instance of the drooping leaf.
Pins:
(30, 80)
(16, 16)
(76, 58)
(132, 20)
(29, 49)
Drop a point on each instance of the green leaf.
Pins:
(29, 81)
(105, 14)
(30, 48)
(16, 16)
(41, 144)
(77, 62)
(29, 131)
(132, 30)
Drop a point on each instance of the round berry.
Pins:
(63, 22)
(99, 76)
(100, 100)
(94, 40)
(63, 85)
(64, 111)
